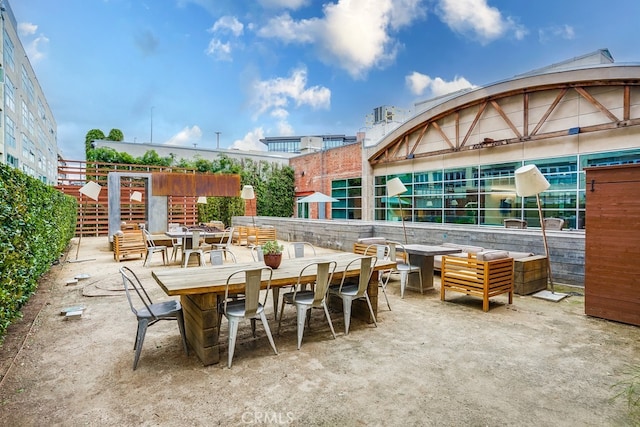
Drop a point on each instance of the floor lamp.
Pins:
(531, 182)
(395, 187)
(91, 190)
(248, 194)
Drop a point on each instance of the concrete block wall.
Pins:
(566, 248)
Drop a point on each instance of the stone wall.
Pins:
(566, 247)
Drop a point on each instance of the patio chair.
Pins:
(514, 223)
(299, 249)
(248, 307)
(225, 240)
(553, 223)
(152, 248)
(219, 256)
(382, 252)
(403, 266)
(349, 291)
(193, 250)
(151, 313)
(257, 254)
(305, 300)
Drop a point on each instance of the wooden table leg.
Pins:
(201, 326)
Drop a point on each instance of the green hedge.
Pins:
(36, 224)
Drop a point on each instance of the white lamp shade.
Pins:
(136, 196)
(395, 187)
(202, 200)
(247, 192)
(91, 190)
(530, 181)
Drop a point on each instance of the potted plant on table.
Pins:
(272, 252)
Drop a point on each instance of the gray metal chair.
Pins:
(299, 249)
(225, 240)
(151, 312)
(193, 250)
(152, 248)
(248, 307)
(257, 254)
(403, 266)
(382, 252)
(218, 256)
(305, 300)
(349, 291)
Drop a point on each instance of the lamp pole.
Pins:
(151, 138)
(218, 139)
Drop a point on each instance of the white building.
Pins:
(28, 131)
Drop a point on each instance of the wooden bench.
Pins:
(129, 243)
(477, 277)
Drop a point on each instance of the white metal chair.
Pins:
(151, 312)
(257, 254)
(248, 307)
(299, 249)
(403, 266)
(305, 300)
(194, 249)
(218, 256)
(152, 248)
(382, 252)
(225, 240)
(349, 291)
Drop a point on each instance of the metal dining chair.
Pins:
(219, 256)
(403, 266)
(152, 248)
(247, 307)
(193, 250)
(382, 252)
(349, 291)
(305, 300)
(300, 249)
(150, 313)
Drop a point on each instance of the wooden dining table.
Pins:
(202, 289)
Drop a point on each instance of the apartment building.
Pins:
(28, 131)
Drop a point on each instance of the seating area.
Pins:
(484, 275)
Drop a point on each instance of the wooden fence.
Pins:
(93, 216)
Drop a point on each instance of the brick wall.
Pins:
(315, 171)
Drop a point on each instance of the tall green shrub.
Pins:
(36, 224)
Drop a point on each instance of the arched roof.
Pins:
(408, 140)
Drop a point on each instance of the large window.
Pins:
(8, 53)
(349, 195)
(486, 194)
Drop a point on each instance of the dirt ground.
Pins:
(428, 363)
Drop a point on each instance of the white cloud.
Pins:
(283, 4)
(27, 28)
(228, 24)
(418, 83)
(565, 32)
(478, 19)
(251, 141)
(353, 34)
(219, 50)
(35, 48)
(187, 136)
(276, 94)
(285, 29)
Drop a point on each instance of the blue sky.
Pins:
(254, 69)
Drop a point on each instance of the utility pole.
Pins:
(151, 139)
(218, 139)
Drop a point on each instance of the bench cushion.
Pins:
(491, 255)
